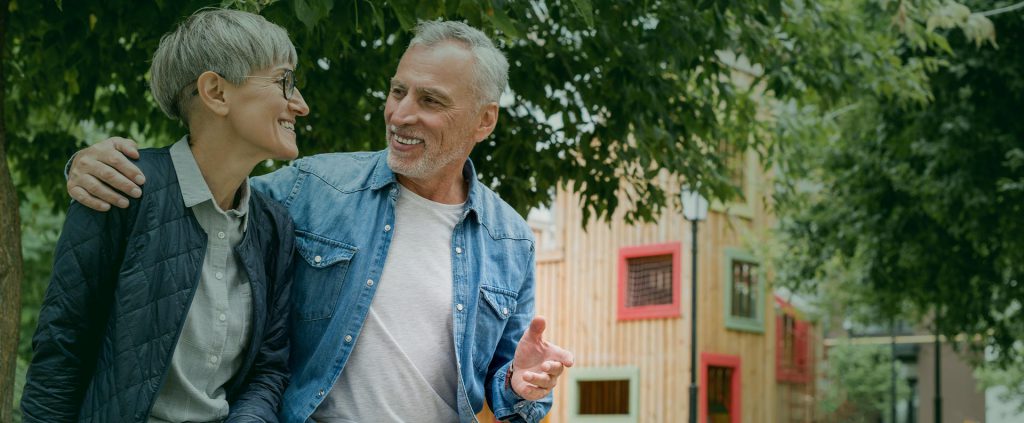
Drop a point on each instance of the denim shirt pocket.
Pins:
(319, 276)
(491, 320)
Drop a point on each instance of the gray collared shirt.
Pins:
(213, 340)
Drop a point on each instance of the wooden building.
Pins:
(619, 297)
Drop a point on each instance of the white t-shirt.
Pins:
(402, 368)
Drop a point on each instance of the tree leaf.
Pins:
(585, 10)
(311, 12)
(502, 22)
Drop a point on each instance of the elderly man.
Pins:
(413, 296)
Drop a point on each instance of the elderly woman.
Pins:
(175, 309)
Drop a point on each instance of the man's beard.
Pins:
(426, 165)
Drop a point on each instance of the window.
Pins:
(736, 163)
(792, 345)
(744, 292)
(604, 397)
(742, 169)
(603, 394)
(720, 394)
(649, 282)
(744, 282)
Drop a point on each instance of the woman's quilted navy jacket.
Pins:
(121, 287)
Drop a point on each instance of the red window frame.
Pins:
(650, 311)
(799, 371)
(735, 385)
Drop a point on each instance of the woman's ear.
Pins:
(211, 89)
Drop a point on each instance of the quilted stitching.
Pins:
(155, 281)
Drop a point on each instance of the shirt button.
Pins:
(348, 338)
(458, 250)
(387, 228)
(318, 259)
(504, 311)
(219, 275)
(223, 317)
(221, 235)
(320, 394)
(369, 282)
(213, 359)
(458, 307)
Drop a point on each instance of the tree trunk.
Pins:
(10, 253)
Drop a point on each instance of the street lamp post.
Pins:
(695, 209)
(938, 377)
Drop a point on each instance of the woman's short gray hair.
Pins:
(491, 65)
(230, 42)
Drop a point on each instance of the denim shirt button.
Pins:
(348, 338)
(387, 228)
(504, 311)
(458, 250)
(320, 394)
(458, 307)
(369, 282)
(318, 259)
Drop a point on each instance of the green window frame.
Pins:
(747, 176)
(741, 323)
(588, 374)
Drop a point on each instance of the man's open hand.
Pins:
(97, 171)
(537, 363)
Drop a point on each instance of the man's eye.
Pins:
(397, 91)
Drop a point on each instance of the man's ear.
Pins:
(211, 89)
(488, 120)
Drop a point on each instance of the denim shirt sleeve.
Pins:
(279, 184)
(507, 405)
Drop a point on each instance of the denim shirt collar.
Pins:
(384, 177)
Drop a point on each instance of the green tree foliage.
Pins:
(1009, 377)
(917, 203)
(859, 384)
(602, 95)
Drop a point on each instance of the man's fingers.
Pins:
(81, 196)
(534, 393)
(531, 392)
(117, 171)
(113, 173)
(537, 326)
(561, 355)
(99, 190)
(126, 146)
(540, 380)
(552, 368)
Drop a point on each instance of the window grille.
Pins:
(744, 289)
(719, 393)
(649, 281)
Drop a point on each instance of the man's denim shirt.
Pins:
(343, 205)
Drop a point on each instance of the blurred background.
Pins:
(751, 210)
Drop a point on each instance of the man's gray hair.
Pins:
(491, 71)
(232, 43)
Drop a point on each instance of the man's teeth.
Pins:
(407, 141)
(287, 125)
